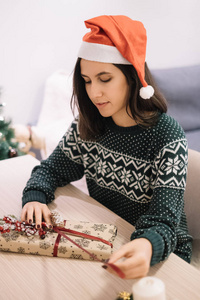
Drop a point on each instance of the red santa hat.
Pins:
(117, 40)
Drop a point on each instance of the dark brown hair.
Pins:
(144, 112)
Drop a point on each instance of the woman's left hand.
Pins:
(137, 257)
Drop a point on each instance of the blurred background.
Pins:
(38, 37)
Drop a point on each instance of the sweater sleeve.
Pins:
(162, 220)
(59, 169)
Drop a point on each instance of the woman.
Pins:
(134, 156)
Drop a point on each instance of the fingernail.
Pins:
(30, 221)
(38, 226)
(106, 261)
(50, 226)
(104, 266)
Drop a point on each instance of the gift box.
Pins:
(69, 239)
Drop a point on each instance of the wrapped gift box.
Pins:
(54, 242)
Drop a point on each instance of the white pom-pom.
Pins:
(146, 92)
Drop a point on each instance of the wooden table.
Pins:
(40, 277)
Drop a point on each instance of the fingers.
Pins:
(38, 216)
(133, 267)
(23, 214)
(133, 259)
(46, 213)
(125, 251)
(37, 209)
(29, 215)
(130, 273)
(121, 253)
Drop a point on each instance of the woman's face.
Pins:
(108, 90)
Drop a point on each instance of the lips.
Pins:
(101, 105)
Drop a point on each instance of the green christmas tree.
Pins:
(8, 146)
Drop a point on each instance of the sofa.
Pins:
(181, 87)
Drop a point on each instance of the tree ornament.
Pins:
(8, 145)
(124, 296)
(2, 105)
(1, 136)
(12, 152)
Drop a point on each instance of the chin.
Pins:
(105, 115)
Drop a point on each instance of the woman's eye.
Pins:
(105, 80)
(102, 80)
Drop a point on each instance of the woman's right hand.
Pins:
(37, 209)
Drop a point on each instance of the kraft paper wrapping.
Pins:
(15, 241)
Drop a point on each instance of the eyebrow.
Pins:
(99, 74)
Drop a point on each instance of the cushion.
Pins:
(193, 138)
(56, 115)
(181, 87)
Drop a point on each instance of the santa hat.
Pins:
(117, 40)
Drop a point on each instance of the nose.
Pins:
(94, 90)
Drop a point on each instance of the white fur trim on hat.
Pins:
(146, 92)
(101, 53)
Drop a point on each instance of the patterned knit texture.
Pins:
(138, 173)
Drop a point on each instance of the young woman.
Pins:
(134, 155)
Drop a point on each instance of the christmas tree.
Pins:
(8, 146)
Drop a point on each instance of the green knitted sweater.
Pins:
(138, 173)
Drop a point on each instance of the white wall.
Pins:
(37, 37)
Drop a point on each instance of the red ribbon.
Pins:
(60, 230)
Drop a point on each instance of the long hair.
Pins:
(144, 111)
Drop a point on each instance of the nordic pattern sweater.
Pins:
(140, 174)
